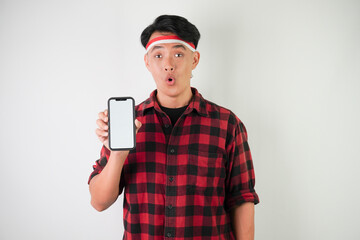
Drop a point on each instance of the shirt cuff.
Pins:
(236, 199)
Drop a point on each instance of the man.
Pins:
(191, 174)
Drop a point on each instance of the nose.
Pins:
(169, 68)
(168, 65)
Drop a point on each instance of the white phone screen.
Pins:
(121, 123)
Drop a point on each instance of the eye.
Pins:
(158, 56)
(178, 55)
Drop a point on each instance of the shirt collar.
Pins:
(197, 103)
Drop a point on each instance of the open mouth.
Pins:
(170, 81)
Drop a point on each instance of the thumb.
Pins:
(138, 125)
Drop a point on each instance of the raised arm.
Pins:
(104, 187)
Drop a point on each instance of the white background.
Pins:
(290, 70)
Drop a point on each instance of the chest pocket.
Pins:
(205, 172)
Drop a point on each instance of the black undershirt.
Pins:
(174, 113)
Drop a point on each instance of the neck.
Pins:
(177, 101)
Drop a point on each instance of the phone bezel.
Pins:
(133, 120)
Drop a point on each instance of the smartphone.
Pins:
(121, 114)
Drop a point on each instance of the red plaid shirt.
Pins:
(181, 181)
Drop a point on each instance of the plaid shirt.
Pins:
(181, 181)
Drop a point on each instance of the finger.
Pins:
(102, 125)
(103, 116)
(102, 139)
(101, 133)
(106, 115)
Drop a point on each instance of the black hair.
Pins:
(180, 26)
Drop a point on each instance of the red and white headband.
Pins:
(169, 39)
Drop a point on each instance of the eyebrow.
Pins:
(179, 46)
(156, 47)
(176, 46)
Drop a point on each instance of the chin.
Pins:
(170, 91)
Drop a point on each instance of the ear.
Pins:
(196, 59)
(146, 60)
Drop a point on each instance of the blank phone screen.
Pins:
(121, 123)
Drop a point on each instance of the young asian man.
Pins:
(191, 174)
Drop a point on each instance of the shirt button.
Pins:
(172, 150)
(171, 179)
(167, 125)
(168, 234)
(170, 206)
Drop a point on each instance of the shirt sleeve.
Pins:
(240, 177)
(100, 165)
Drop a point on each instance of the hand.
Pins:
(103, 128)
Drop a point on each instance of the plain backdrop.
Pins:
(290, 70)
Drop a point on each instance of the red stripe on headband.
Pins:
(166, 38)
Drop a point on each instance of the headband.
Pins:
(169, 39)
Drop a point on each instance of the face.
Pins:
(171, 65)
